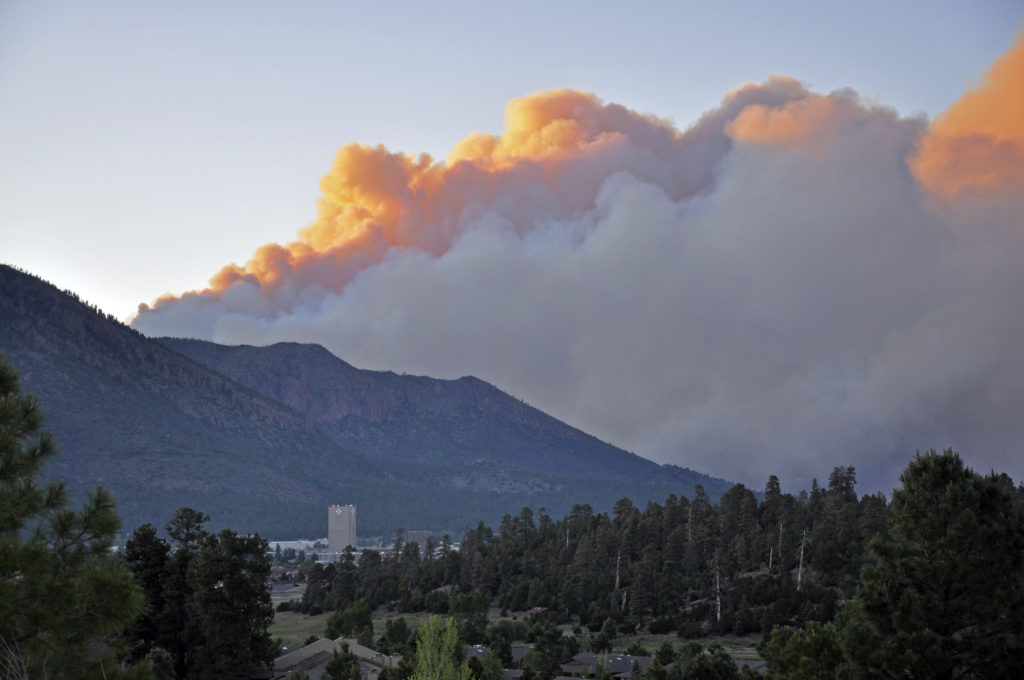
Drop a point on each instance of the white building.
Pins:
(341, 527)
(294, 545)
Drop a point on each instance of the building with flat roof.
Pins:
(341, 527)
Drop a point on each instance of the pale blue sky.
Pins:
(145, 145)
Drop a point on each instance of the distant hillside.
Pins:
(264, 438)
(413, 419)
(157, 429)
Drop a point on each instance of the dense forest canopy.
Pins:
(689, 565)
(931, 585)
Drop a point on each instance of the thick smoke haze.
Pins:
(796, 281)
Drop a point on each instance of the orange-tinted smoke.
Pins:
(373, 199)
(364, 198)
(802, 123)
(977, 145)
(544, 124)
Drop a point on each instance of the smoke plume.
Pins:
(796, 281)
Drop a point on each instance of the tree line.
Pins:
(690, 566)
(929, 586)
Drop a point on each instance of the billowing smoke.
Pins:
(794, 282)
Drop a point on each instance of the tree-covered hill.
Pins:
(157, 429)
(415, 419)
(268, 437)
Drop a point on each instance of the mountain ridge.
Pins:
(162, 429)
(369, 410)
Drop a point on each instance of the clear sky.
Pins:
(145, 145)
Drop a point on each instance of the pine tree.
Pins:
(63, 595)
(229, 606)
(811, 653)
(176, 631)
(343, 586)
(943, 596)
(208, 605)
(343, 665)
(146, 555)
(715, 664)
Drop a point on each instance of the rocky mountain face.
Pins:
(414, 419)
(264, 438)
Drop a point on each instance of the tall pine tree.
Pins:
(64, 596)
(943, 596)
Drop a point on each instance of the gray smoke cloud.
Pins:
(771, 291)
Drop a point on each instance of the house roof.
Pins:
(481, 651)
(620, 665)
(754, 663)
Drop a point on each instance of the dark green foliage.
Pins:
(365, 636)
(691, 566)
(713, 664)
(207, 601)
(176, 631)
(229, 609)
(147, 556)
(943, 595)
(344, 581)
(397, 637)
(350, 621)
(637, 649)
(656, 671)
(186, 528)
(666, 653)
(343, 665)
(500, 637)
(811, 653)
(404, 669)
(475, 667)
(64, 597)
(492, 667)
(162, 663)
(550, 649)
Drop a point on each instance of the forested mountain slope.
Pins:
(267, 437)
(415, 419)
(155, 428)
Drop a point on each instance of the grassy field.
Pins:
(739, 647)
(294, 628)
